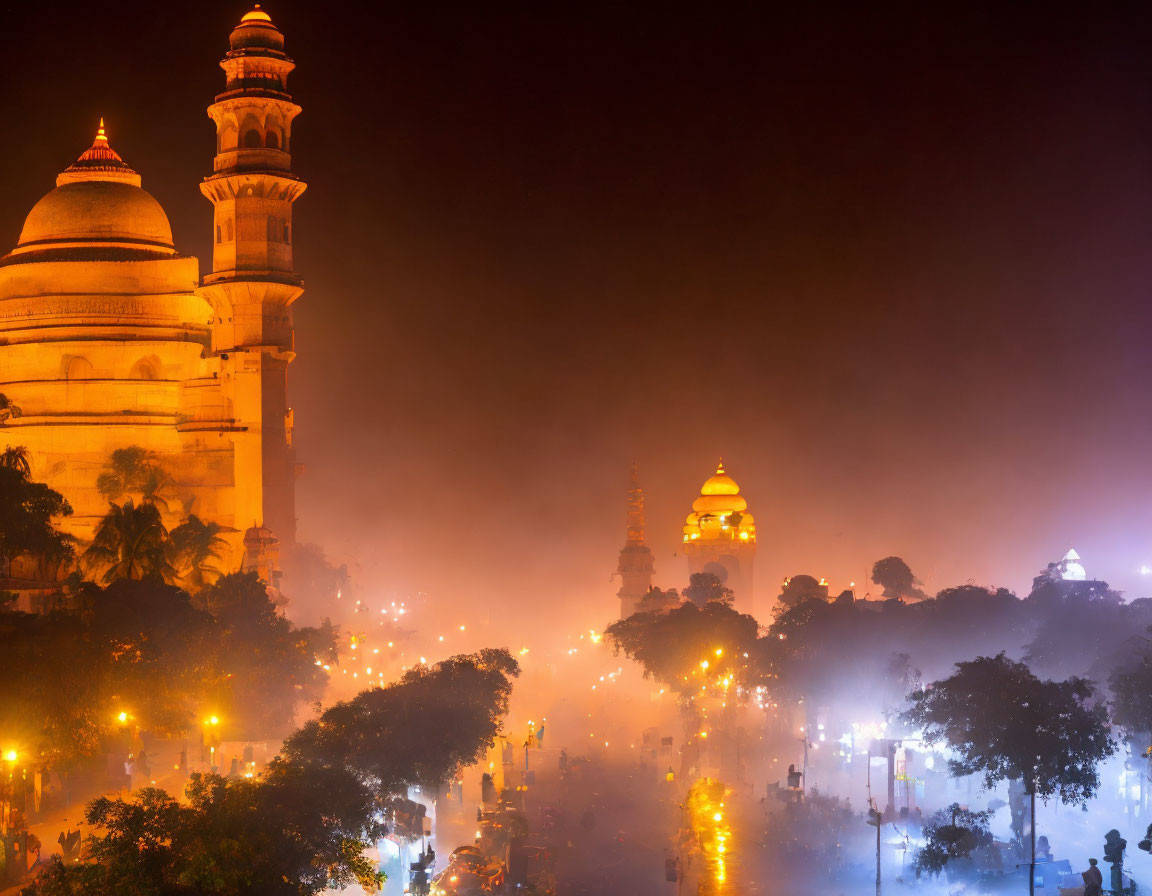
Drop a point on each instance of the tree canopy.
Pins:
(1006, 724)
(131, 542)
(149, 650)
(293, 833)
(136, 474)
(419, 730)
(689, 646)
(28, 514)
(950, 834)
(895, 577)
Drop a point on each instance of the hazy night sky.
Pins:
(892, 263)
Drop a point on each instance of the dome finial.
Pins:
(720, 467)
(99, 162)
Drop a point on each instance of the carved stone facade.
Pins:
(110, 339)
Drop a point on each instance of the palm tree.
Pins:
(197, 545)
(131, 543)
(133, 470)
(16, 458)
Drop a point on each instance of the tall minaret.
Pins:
(253, 285)
(635, 567)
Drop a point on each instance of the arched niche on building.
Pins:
(145, 369)
(78, 367)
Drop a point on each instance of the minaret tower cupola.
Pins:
(253, 283)
(252, 186)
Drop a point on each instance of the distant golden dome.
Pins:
(720, 483)
(717, 504)
(97, 203)
(720, 513)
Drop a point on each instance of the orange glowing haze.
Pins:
(905, 300)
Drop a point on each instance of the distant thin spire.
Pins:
(635, 514)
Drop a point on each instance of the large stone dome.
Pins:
(98, 204)
(97, 211)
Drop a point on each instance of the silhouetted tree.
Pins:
(267, 665)
(1005, 723)
(419, 730)
(135, 472)
(28, 514)
(705, 587)
(950, 834)
(148, 649)
(294, 833)
(895, 577)
(16, 458)
(130, 543)
(197, 548)
(672, 647)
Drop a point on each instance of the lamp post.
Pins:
(11, 757)
(212, 724)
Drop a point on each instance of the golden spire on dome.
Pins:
(99, 162)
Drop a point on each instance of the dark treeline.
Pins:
(845, 653)
(160, 642)
(305, 824)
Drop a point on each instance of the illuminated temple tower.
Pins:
(636, 566)
(109, 339)
(253, 284)
(720, 536)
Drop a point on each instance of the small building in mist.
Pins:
(635, 566)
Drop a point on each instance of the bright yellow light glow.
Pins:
(719, 816)
(123, 717)
(214, 720)
(719, 651)
(10, 755)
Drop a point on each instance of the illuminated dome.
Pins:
(720, 483)
(720, 495)
(720, 513)
(256, 31)
(97, 203)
